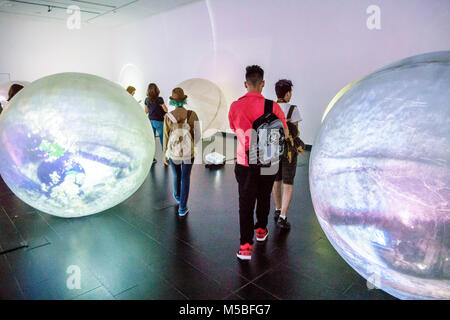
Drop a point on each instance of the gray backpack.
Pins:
(267, 140)
(180, 142)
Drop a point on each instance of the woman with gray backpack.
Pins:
(181, 133)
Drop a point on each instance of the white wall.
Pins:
(321, 45)
(32, 48)
(166, 49)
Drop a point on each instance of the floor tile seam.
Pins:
(90, 269)
(207, 277)
(81, 294)
(311, 277)
(236, 292)
(164, 247)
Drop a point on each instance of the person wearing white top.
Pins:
(287, 169)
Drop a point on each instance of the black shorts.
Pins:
(286, 171)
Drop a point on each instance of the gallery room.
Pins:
(216, 150)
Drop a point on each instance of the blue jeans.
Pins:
(181, 181)
(158, 126)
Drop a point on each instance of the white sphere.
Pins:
(208, 101)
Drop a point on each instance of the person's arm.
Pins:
(146, 106)
(163, 105)
(299, 149)
(165, 137)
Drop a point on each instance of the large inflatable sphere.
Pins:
(380, 177)
(74, 144)
(208, 101)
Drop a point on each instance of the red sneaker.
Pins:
(245, 252)
(261, 234)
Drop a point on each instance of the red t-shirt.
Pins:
(243, 113)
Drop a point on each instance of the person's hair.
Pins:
(131, 89)
(254, 75)
(13, 90)
(282, 87)
(152, 93)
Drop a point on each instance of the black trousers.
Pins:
(254, 188)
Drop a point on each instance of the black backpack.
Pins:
(267, 139)
(293, 142)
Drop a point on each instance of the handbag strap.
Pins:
(290, 112)
(268, 106)
(188, 116)
(171, 117)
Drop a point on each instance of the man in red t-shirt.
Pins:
(254, 186)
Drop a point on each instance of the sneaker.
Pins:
(245, 252)
(177, 199)
(276, 214)
(154, 161)
(183, 212)
(283, 223)
(261, 234)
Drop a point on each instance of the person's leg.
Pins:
(288, 175)
(287, 196)
(176, 170)
(247, 199)
(264, 188)
(152, 122)
(276, 191)
(276, 194)
(282, 221)
(289, 170)
(186, 169)
(160, 130)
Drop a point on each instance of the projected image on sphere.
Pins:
(380, 176)
(74, 144)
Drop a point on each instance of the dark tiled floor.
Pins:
(141, 249)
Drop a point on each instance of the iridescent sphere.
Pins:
(74, 144)
(380, 177)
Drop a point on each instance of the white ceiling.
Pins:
(99, 12)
